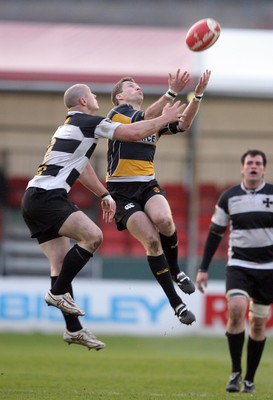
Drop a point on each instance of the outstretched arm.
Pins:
(193, 107)
(176, 82)
(142, 129)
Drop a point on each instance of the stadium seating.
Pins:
(16, 187)
(81, 196)
(117, 243)
(114, 242)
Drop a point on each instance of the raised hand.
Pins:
(178, 81)
(202, 83)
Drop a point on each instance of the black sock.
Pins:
(71, 321)
(160, 270)
(170, 249)
(235, 343)
(73, 262)
(254, 353)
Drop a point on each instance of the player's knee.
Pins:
(93, 239)
(99, 239)
(165, 224)
(237, 305)
(154, 245)
(258, 310)
(97, 242)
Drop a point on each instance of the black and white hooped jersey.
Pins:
(249, 213)
(133, 161)
(70, 149)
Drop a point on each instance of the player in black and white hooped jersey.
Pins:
(53, 220)
(250, 213)
(247, 209)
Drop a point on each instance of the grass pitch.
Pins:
(43, 367)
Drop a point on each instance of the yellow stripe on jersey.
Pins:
(133, 168)
(121, 118)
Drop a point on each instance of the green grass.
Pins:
(42, 367)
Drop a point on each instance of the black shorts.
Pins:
(258, 283)
(131, 197)
(45, 211)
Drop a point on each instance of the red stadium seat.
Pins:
(16, 187)
(207, 197)
(114, 242)
(136, 249)
(204, 221)
(183, 245)
(209, 190)
(112, 249)
(81, 196)
(176, 192)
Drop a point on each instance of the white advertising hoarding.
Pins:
(112, 308)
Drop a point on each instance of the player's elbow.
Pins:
(185, 125)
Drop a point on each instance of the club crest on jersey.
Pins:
(267, 202)
(129, 205)
(156, 189)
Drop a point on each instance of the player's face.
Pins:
(91, 100)
(253, 171)
(131, 92)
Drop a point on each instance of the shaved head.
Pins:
(73, 94)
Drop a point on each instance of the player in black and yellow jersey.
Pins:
(142, 207)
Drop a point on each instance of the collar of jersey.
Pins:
(74, 112)
(248, 190)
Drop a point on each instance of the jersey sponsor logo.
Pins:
(129, 205)
(149, 139)
(235, 200)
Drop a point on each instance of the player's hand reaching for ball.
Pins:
(202, 83)
(186, 120)
(178, 81)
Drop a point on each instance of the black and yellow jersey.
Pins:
(133, 161)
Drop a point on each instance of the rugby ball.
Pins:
(203, 34)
